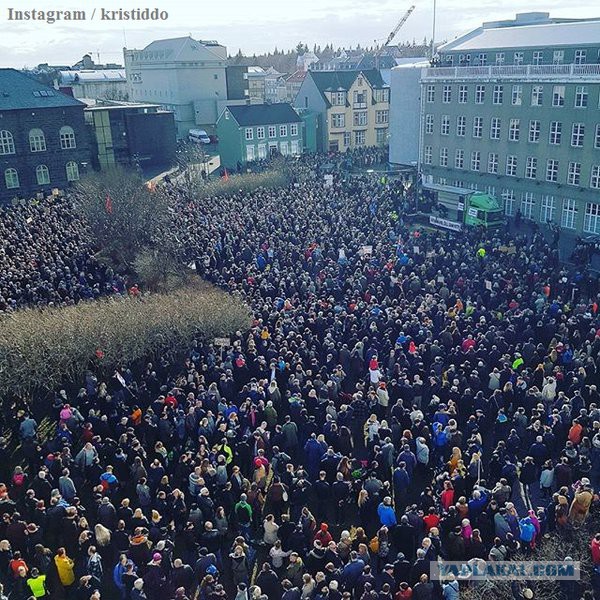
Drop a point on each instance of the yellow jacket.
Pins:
(64, 566)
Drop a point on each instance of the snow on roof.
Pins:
(577, 33)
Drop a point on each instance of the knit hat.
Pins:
(156, 557)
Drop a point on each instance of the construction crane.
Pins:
(393, 34)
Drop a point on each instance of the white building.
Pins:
(102, 84)
(183, 75)
(405, 110)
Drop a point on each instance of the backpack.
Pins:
(374, 545)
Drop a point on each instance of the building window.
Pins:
(463, 94)
(381, 136)
(250, 153)
(577, 134)
(295, 148)
(459, 159)
(42, 175)
(428, 155)
(431, 93)
(249, 134)
(527, 202)
(492, 163)
(272, 131)
(7, 143)
(461, 126)
(445, 130)
(360, 118)
(475, 160)
(428, 123)
(508, 199)
(555, 133)
(591, 219)
(477, 127)
(552, 170)
(338, 120)
(534, 131)
(558, 57)
(359, 138)
(495, 128)
(531, 167)
(284, 148)
(382, 117)
(11, 179)
(447, 94)
(294, 129)
(482, 59)
(581, 96)
(537, 95)
(479, 94)
(518, 58)
(360, 99)
(597, 137)
(498, 95)
(569, 212)
(580, 57)
(67, 138)
(517, 95)
(514, 130)
(538, 57)
(72, 171)
(347, 138)
(283, 131)
(500, 57)
(260, 133)
(595, 177)
(338, 98)
(262, 151)
(37, 140)
(443, 157)
(511, 165)
(558, 95)
(547, 209)
(574, 173)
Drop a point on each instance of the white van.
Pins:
(198, 136)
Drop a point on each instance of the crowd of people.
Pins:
(403, 396)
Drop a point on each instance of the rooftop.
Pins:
(263, 114)
(528, 30)
(93, 76)
(180, 49)
(19, 91)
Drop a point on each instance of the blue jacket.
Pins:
(351, 572)
(387, 515)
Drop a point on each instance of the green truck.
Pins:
(453, 207)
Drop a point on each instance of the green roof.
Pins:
(248, 115)
(19, 91)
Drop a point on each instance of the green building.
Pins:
(255, 131)
(512, 109)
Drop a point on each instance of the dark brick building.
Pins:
(44, 143)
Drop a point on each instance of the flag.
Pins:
(108, 204)
(226, 175)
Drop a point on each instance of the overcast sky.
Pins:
(254, 27)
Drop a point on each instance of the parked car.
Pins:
(198, 136)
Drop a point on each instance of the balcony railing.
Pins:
(513, 72)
